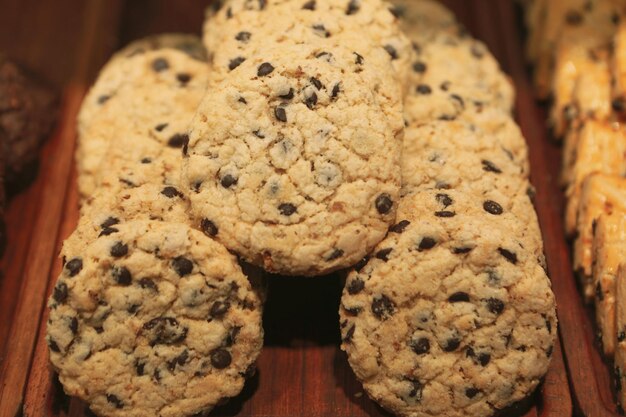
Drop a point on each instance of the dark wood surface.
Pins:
(302, 372)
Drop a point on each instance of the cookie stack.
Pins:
(579, 51)
(317, 137)
(453, 313)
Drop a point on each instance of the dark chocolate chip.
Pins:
(287, 209)
(317, 83)
(146, 160)
(74, 266)
(230, 338)
(321, 29)
(119, 249)
(220, 358)
(178, 140)
(111, 221)
(490, 167)
(265, 69)
(383, 254)
(122, 275)
(228, 181)
(171, 192)
(287, 96)
(492, 207)
(382, 307)
(355, 286)
(235, 62)
(336, 90)
(53, 346)
(462, 250)
(444, 199)
(510, 256)
(103, 99)
(419, 67)
(243, 36)
(471, 392)
(391, 51)
(60, 292)
(280, 114)
(353, 7)
(208, 227)
(146, 283)
(359, 58)
(353, 312)
(361, 264)
(183, 77)
(445, 86)
(619, 104)
(310, 101)
(219, 308)
(180, 360)
(423, 89)
(182, 266)
(349, 334)
(139, 367)
(258, 134)
(549, 351)
(426, 243)
(309, 5)
(452, 344)
(160, 64)
(400, 226)
(133, 308)
(383, 203)
(336, 254)
(242, 100)
(115, 401)
(445, 213)
(165, 330)
(495, 305)
(420, 346)
(108, 231)
(416, 390)
(459, 297)
(599, 292)
(477, 51)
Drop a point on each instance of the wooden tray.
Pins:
(302, 372)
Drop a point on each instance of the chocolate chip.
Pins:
(355, 286)
(336, 90)
(361, 264)
(510, 256)
(452, 344)
(108, 231)
(180, 360)
(220, 358)
(471, 392)
(139, 367)
(574, 18)
(160, 64)
(309, 5)
(103, 99)
(317, 83)
(320, 28)
(353, 7)
(621, 336)
(382, 307)
(182, 266)
(459, 297)
(265, 69)
(549, 351)
(258, 134)
(287, 209)
(280, 114)
(146, 283)
(235, 62)
(383, 254)
(171, 192)
(445, 213)
(462, 250)
(599, 292)
(178, 140)
(146, 160)
(359, 59)
(445, 86)
(111, 221)
(416, 390)
(490, 167)
(219, 308)
(74, 266)
(122, 275)
(495, 305)
(165, 330)
(419, 67)
(119, 249)
(60, 292)
(115, 401)
(423, 89)
(243, 36)
(444, 199)
(619, 104)
(383, 203)
(353, 312)
(287, 96)
(477, 51)
(183, 78)
(133, 308)
(336, 254)
(420, 346)
(208, 227)
(400, 226)
(230, 338)
(310, 101)
(391, 51)
(349, 334)
(228, 181)
(426, 243)
(53, 346)
(242, 100)
(492, 207)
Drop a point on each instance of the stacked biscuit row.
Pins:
(317, 137)
(579, 49)
(452, 314)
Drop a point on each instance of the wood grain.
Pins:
(302, 372)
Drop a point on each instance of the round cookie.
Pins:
(291, 163)
(153, 319)
(450, 316)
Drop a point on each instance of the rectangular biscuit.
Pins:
(609, 250)
(600, 194)
(601, 147)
